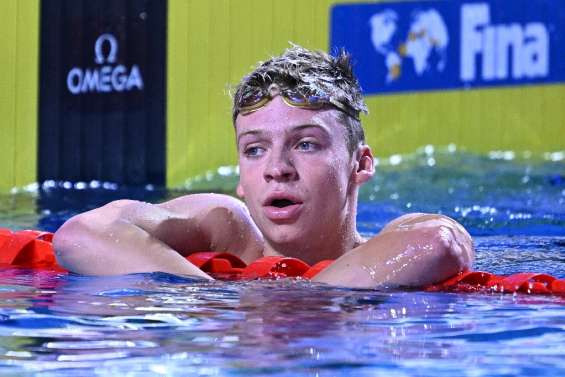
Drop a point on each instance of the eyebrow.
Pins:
(311, 125)
(250, 132)
(258, 131)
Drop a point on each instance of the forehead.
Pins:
(277, 115)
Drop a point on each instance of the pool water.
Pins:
(160, 324)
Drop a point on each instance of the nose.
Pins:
(280, 168)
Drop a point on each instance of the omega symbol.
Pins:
(108, 76)
(99, 54)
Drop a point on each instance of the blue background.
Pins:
(350, 29)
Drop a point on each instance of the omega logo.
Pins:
(106, 77)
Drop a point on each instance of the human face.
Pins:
(297, 176)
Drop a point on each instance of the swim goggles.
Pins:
(256, 99)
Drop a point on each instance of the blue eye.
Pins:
(253, 151)
(306, 146)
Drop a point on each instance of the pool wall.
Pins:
(211, 44)
(18, 92)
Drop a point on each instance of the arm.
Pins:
(129, 236)
(414, 250)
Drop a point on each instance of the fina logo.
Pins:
(107, 78)
(488, 52)
(529, 44)
(427, 36)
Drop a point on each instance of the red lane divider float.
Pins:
(227, 266)
(33, 249)
(27, 248)
(523, 282)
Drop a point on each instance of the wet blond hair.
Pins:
(311, 73)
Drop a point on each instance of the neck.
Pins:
(327, 245)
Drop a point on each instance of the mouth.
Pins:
(282, 208)
(281, 200)
(282, 203)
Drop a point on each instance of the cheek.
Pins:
(340, 170)
(250, 180)
(333, 179)
(246, 173)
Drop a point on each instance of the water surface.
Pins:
(160, 324)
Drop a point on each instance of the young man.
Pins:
(302, 159)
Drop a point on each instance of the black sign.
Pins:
(102, 91)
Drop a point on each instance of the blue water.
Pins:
(160, 324)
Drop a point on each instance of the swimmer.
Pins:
(302, 159)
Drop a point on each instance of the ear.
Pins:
(365, 167)
(239, 191)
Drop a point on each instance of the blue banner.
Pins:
(438, 45)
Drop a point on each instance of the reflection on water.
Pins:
(159, 324)
(166, 324)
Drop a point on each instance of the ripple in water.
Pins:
(161, 324)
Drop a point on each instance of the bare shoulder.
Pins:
(412, 221)
(195, 203)
(154, 234)
(436, 232)
(101, 219)
(413, 250)
(225, 219)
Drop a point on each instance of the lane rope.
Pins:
(34, 249)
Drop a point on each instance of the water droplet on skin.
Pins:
(371, 271)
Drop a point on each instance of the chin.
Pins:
(285, 235)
